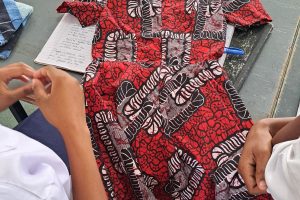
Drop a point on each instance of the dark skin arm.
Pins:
(257, 151)
(63, 107)
(289, 132)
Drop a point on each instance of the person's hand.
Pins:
(255, 155)
(63, 106)
(63, 103)
(19, 71)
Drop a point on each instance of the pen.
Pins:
(234, 51)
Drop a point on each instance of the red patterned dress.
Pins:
(166, 122)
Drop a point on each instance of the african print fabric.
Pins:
(166, 123)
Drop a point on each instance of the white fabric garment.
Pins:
(29, 170)
(283, 171)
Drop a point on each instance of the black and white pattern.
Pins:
(167, 108)
(91, 70)
(233, 5)
(185, 175)
(176, 45)
(229, 184)
(94, 144)
(107, 183)
(102, 119)
(222, 151)
(236, 100)
(210, 23)
(120, 46)
(150, 13)
(97, 34)
(191, 5)
(121, 155)
(100, 2)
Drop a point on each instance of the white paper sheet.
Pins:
(69, 46)
(229, 34)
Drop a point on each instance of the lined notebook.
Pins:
(69, 46)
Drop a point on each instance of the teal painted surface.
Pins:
(290, 95)
(38, 29)
(261, 85)
(8, 120)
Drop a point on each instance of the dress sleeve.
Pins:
(245, 12)
(88, 13)
(282, 172)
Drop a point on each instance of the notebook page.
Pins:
(69, 46)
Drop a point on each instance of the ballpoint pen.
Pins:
(234, 51)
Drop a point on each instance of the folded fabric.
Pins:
(14, 16)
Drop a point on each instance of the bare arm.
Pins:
(257, 151)
(63, 107)
(289, 132)
(276, 124)
(86, 179)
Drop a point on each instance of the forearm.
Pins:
(276, 124)
(86, 180)
(290, 131)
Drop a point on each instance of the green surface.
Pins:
(8, 120)
(260, 88)
(252, 42)
(38, 29)
(289, 94)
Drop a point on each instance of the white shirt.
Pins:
(283, 171)
(29, 170)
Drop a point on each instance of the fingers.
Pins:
(248, 168)
(23, 78)
(52, 75)
(252, 173)
(43, 72)
(247, 171)
(261, 163)
(18, 70)
(18, 93)
(39, 91)
(49, 72)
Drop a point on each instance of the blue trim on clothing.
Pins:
(2, 40)
(13, 18)
(5, 54)
(13, 12)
